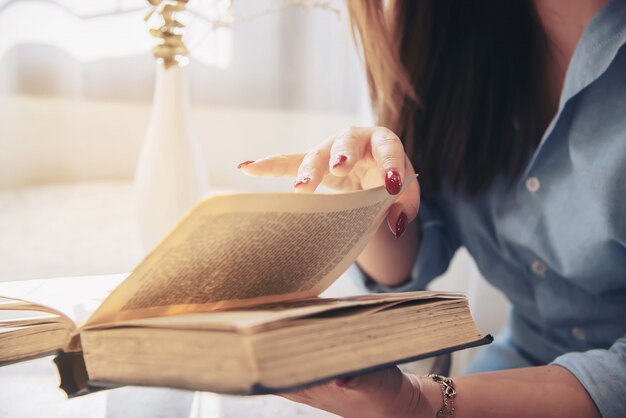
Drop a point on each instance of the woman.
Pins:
(514, 113)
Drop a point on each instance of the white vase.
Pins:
(171, 175)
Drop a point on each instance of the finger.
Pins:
(347, 148)
(313, 168)
(273, 165)
(383, 380)
(389, 154)
(404, 210)
(294, 396)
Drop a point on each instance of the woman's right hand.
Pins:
(353, 159)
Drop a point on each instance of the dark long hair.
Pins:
(460, 81)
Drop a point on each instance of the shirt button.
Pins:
(578, 333)
(532, 184)
(539, 268)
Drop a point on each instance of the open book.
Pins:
(228, 302)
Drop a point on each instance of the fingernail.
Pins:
(393, 183)
(339, 161)
(244, 163)
(301, 180)
(400, 225)
(346, 382)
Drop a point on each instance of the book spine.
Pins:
(73, 374)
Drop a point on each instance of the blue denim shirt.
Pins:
(556, 244)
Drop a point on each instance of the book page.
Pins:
(254, 318)
(75, 297)
(33, 313)
(245, 249)
(26, 329)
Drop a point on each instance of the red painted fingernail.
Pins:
(393, 183)
(302, 180)
(400, 225)
(339, 161)
(346, 382)
(244, 163)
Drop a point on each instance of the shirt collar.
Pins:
(601, 40)
(603, 37)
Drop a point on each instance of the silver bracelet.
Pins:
(448, 392)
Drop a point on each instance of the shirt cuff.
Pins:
(603, 375)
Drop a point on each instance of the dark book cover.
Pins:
(75, 381)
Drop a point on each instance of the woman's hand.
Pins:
(386, 393)
(354, 159)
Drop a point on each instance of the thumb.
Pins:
(373, 383)
(390, 389)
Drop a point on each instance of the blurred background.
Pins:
(76, 86)
(85, 72)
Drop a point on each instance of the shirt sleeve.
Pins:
(603, 374)
(436, 248)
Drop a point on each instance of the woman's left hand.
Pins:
(385, 393)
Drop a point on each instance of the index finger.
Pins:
(388, 153)
(280, 165)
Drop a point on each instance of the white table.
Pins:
(32, 387)
(87, 229)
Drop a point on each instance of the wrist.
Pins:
(421, 397)
(408, 398)
(431, 398)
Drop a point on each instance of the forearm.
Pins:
(388, 260)
(544, 391)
